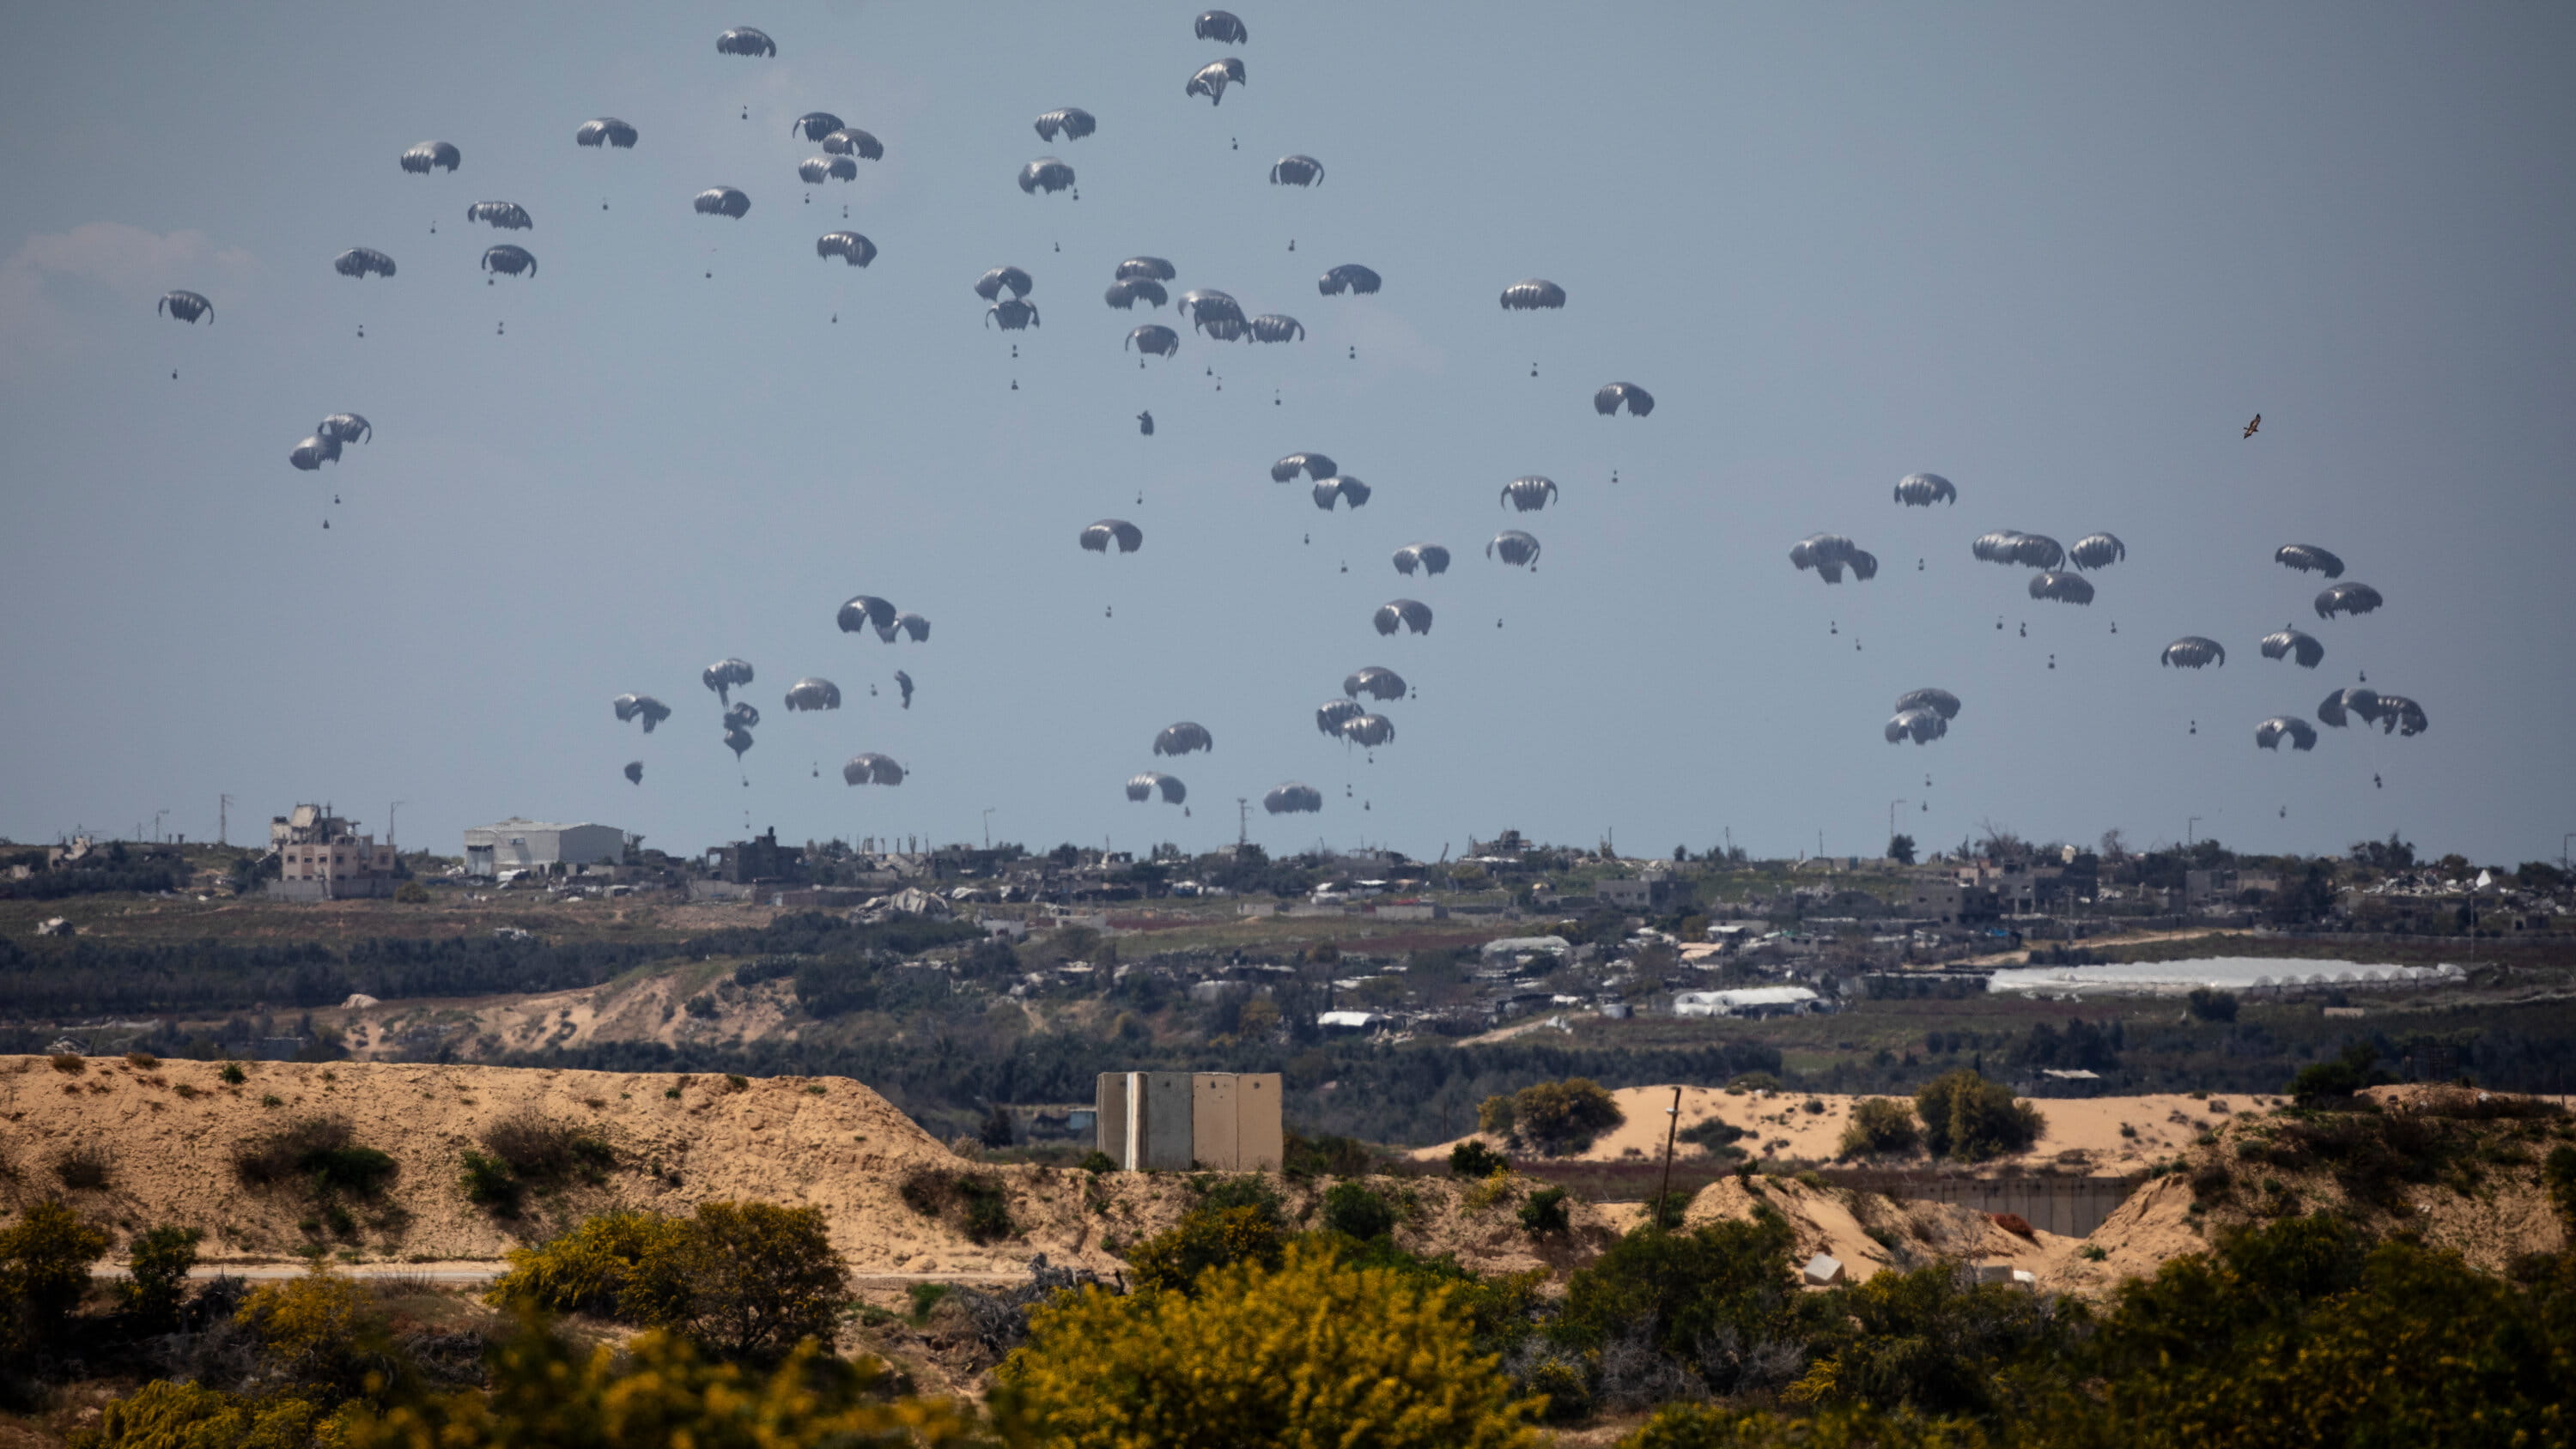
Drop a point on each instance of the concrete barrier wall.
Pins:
(1177, 1121)
(2069, 1206)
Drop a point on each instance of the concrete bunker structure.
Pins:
(1180, 1121)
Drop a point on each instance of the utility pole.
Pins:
(223, 819)
(157, 817)
(988, 827)
(389, 822)
(1891, 818)
(2187, 827)
(1242, 822)
(1672, 1129)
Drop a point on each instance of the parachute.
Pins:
(2064, 588)
(1348, 277)
(1402, 613)
(1940, 701)
(1146, 269)
(723, 675)
(1922, 490)
(911, 626)
(2012, 546)
(1277, 327)
(1431, 558)
(315, 451)
(641, 706)
(505, 215)
(635, 771)
(1205, 307)
(1154, 338)
(606, 131)
(737, 740)
(743, 40)
(851, 141)
(1014, 315)
(1296, 171)
(2192, 651)
(1313, 465)
(1349, 490)
(2402, 716)
(1375, 681)
(186, 306)
(1829, 554)
(2347, 599)
(872, 769)
(2306, 557)
(2301, 734)
(1145, 786)
(1606, 402)
(420, 159)
(721, 201)
(815, 170)
(867, 611)
(1529, 494)
(851, 247)
(1220, 26)
(511, 260)
(2289, 643)
(1515, 548)
(1001, 279)
(1531, 295)
(1126, 292)
(1099, 536)
(1213, 78)
(346, 428)
(1921, 725)
(1293, 798)
(812, 693)
(363, 261)
(1181, 738)
(2097, 551)
(740, 715)
(1045, 173)
(814, 125)
(2339, 708)
(1073, 121)
(1332, 714)
(1368, 730)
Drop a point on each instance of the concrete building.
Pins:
(321, 857)
(1749, 1001)
(515, 844)
(1657, 890)
(1185, 1121)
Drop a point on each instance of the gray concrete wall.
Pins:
(1212, 1121)
(1166, 1145)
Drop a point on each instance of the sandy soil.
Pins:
(1782, 1126)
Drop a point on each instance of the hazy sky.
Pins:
(2056, 253)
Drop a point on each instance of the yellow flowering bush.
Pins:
(1312, 1354)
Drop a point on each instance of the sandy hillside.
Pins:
(1840, 1224)
(169, 1134)
(1781, 1125)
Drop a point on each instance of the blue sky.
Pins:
(2058, 254)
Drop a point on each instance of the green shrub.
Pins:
(1969, 1118)
(1359, 1211)
(489, 1183)
(2208, 1005)
(1879, 1126)
(85, 1168)
(742, 1280)
(545, 1151)
(168, 1414)
(975, 1204)
(1203, 1240)
(1718, 1283)
(1544, 1212)
(1097, 1162)
(1249, 1190)
(2340, 1077)
(318, 1153)
(925, 1297)
(1473, 1159)
(232, 1075)
(44, 1271)
(1561, 1118)
(1326, 1156)
(156, 1274)
(585, 1270)
(1717, 1135)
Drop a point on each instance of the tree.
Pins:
(1928, 1340)
(2342, 1076)
(2305, 900)
(1560, 1118)
(2389, 854)
(1354, 1209)
(1208, 1238)
(996, 1131)
(2115, 846)
(1879, 1125)
(1969, 1118)
(1720, 1296)
(746, 1281)
(1900, 848)
(2209, 1005)
(156, 1275)
(44, 1270)
(1312, 1352)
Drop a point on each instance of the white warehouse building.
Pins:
(516, 844)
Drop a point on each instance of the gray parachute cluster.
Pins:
(1211, 79)
(501, 215)
(721, 201)
(509, 261)
(811, 694)
(1100, 536)
(2192, 651)
(1340, 489)
(1397, 614)
(1071, 122)
(1156, 339)
(1277, 327)
(851, 141)
(1831, 553)
(724, 676)
(871, 769)
(743, 40)
(1296, 171)
(635, 772)
(1368, 731)
(1349, 277)
(431, 156)
(1332, 714)
(2393, 713)
(849, 246)
(2301, 734)
(328, 436)
(867, 611)
(641, 707)
(1922, 715)
(1182, 738)
(605, 131)
(2308, 558)
(1046, 174)
(1533, 295)
(1430, 558)
(363, 262)
(1293, 798)
(814, 125)
(2062, 587)
(1154, 782)
(2024, 550)
(1529, 494)
(2097, 551)
(1314, 465)
(815, 170)
(2347, 598)
(186, 306)
(1922, 490)
(1220, 26)
(1615, 395)
(1515, 548)
(2289, 643)
(1376, 681)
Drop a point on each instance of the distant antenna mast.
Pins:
(1243, 822)
(223, 819)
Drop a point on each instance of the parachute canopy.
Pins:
(2012, 546)
(1531, 295)
(2063, 587)
(1147, 269)
(1212, 79)
(315, 451)
(2097, 551)
(2347, 599)
(2307, 557)
(810, 693)
(2192, 651)
(2289, 643)
(1206, 305)
(1348, 277)
(723, 675)
(851, 247)
(506, 215)
(1313, 465)
(743, 40)
(1348, 490)
(1921, 725)
(635, 771)
(721, 201)
(346, 428)
(1293, 798)
(867, 611)
(872, 769)
(1004, 279)
(1332, 714)
(1045, 174)
(814, 125)
(2301, 734)
(1277, 327)
(363, 262)
(1514, 547)
(1940, 701)
(1431, 558)
(441, 155)
(1220, 26)
(737, 740)
(2338, 708)
(1529, 494)
(851, 141)
(1368, 730)
(186, 306)
(1829, 554)
(1181, 738)
(1126, 292)
(1402, 613)
(1376, 681)
(740, 715)
(510, 260)
(1153, 782)
(1099, 536)
(1922, 490)
(2401, 715)
(1639, 401)
(1296, 171)
(641, 706)
(913, 627)
(815, 170)
(605, 131)
(1014, 315)
(1155, 338)
(1072, 122)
